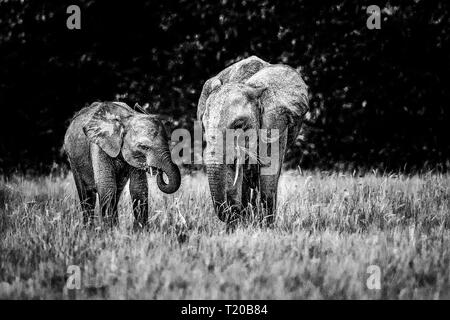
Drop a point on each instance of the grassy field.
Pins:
(330, 228)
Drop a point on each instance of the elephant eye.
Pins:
(144, 147)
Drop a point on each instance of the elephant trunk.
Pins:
(217, 178)
(172, 171)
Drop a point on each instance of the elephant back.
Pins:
(241, 71)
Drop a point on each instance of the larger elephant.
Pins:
(107, 144)
(251, 94)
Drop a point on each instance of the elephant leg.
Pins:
(87, 199)
(234, 197)
(139, 197)
(234, 210)
(108, 199)
(226, 197)
(88, 207)
(115, 211)
(249, 186)
(246, 197)
(269, 183)
(268, 194)
(106, 183)
(217, 185)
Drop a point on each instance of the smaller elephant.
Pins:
(108, 143)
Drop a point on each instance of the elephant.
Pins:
(109, 143)
(251, 94)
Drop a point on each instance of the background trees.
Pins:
(379, 98)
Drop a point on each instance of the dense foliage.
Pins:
(379, 98)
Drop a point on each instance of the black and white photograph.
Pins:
(224, 150)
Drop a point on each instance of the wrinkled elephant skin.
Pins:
(108, 143)
(250, 94)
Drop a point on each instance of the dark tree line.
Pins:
(379, 98)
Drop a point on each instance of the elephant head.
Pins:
(140, 138)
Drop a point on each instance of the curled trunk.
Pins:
(173, 174)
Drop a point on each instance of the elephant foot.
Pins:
(88, 219)
(269, 225)
(140, 226)
(268, 221)
(110, 221)
(182, 234)
(89, 225)
(234, 218)
(231, 226)
(140, 220)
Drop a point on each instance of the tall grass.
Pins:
(329, 229)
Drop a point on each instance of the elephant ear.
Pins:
(209, 86)
(107, 127)
(286, 100)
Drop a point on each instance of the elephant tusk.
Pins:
(237, 171)
(151, 171)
